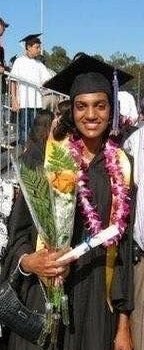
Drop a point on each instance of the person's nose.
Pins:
(91, 113)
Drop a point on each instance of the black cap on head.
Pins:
(90, 82)
(86, 74)
(30, 38)
(6, 25)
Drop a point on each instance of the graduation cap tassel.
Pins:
(115, 125)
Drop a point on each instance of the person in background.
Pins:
(27, 100)
(128, 109)
(134, 145)
(3, 26)
(128, 116)
(100, 285)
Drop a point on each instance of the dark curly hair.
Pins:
(37, 139)
(64, 126)
(41, 127)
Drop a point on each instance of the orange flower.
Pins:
(63, 181)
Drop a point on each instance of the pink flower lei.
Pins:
(120, 191)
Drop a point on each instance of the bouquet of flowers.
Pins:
(51, 194)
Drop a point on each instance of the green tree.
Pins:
(58, 59)
(130, 64)
(122, 60)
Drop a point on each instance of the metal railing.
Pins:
(9, 120)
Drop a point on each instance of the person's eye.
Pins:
(80, 107)
(101, 106)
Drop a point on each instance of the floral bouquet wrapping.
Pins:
(61, 174)
(50, 194)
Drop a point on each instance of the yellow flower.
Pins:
(63, 181)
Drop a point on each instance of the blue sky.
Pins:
(102, 26)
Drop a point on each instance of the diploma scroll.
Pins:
(93, 242)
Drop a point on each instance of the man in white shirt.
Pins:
(135, 146)
(30, 75)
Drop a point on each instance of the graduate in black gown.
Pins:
(99, 316)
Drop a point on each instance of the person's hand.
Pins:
(123, 339)
(44, 263)
(15, 105)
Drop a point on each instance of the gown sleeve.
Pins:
(122, 285)
(22, 233)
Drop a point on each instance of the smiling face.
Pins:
(91, 114)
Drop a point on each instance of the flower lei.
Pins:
(120, 191)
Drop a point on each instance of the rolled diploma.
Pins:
(98, 239)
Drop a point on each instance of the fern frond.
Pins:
(60, 159)
(38, 191)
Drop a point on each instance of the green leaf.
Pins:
(60, 159)
(38, 190)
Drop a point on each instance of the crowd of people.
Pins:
(105, 286)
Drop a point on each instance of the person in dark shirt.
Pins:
(3, 26)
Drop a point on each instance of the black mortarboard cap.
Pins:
(63, 81)
(30, 37)
(6, 25)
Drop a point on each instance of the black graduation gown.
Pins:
(92, 325)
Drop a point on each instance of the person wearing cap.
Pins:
(27, 99)
(134, 145)
(100, 284)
